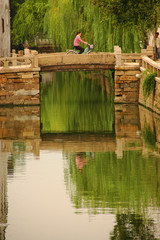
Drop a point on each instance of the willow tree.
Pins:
(65, 17)
(28, 22)
(14, 6)
(143, 14)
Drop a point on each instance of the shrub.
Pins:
(149, 84)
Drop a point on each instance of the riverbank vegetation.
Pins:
(103, 23)
(149, 83)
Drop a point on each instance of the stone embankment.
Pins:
(126, 83)
(21, 88)
(19, 80)
(129, 78)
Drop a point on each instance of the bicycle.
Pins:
(87, 50)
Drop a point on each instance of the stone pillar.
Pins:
(126, 83)
(118, 55)
(14, 61)
(27, 54)
(149, 51)
(35, 59)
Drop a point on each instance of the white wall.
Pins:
(4, 28)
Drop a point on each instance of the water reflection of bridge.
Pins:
(86, 143)
(20, 132)
(23, 125)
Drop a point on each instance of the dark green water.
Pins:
(78, 166)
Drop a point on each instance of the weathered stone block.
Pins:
(27, 76)
(3, 93)
(28, 134)
(119, 73)
(131, 73)
(116, 85)
(9, 87)
(18, 86)
(3, 80)
(35, 86)
(128, 78)
(120, 81)
(116, 78)
(36, 80)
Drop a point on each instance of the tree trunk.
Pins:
(154, 35)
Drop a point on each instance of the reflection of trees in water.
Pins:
(149, 136)
(78, 102)
(131, 226)
(108, 182)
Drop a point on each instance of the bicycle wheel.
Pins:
(91, 52)
(70, 52)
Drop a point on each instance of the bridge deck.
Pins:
(71, 62)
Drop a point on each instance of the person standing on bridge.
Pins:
(77, 40)
(157, 45)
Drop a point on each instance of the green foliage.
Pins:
(29, 21)
(61, 19)
(103, 23)
(65, 18)
(142, 14)
(14, 6)
(149, 84)
(132, 226)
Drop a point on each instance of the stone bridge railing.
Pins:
(19, 74)
(153, 101)
(18, 61)
(19, 80)
(129, 78)
(122, 58)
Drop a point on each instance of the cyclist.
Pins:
(77, 40)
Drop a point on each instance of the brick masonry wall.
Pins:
(20, 88)
(20, 123)
(126, 83)
(156, 107)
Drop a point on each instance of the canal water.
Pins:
(79, 167)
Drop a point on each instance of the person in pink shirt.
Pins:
(77, 40)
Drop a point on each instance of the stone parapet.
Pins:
(126, 83)
(67, 62)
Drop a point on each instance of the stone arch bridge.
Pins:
(20, 74)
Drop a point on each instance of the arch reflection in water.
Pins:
(77, 102)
